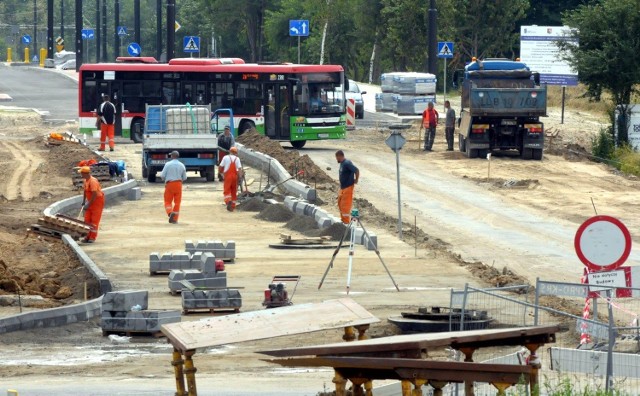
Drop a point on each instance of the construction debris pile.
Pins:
(300, 166)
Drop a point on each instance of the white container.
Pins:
(96, 133)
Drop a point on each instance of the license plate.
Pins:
(159, 162)
(323, 135)
(509, 122)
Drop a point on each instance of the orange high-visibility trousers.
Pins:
(345, 202)
(107, 131)
(173, 198)
(93, 215)
(231, 185)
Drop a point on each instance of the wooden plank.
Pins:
(417, 342)
(257, 325)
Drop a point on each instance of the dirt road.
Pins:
(525, 217)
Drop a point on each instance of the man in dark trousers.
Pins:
(225, 142)
(107, 121)
(449, 124)
(429, 122)
(349, 175)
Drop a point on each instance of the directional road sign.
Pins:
(603, 243)
(122, 30)
(177, 26)
(445, 49)
(26, 39)
(298, 27)
(88, 34)
(191, 44)
(134, 49)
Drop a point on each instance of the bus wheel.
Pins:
(137, 131)
(298, 144)
(245, 126)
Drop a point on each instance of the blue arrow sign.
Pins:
(88, 34)
(134, 49)
(298, 27)
(445, 49)
(191, 44)
(122, 30)
(26, 39)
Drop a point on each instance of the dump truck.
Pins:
(502, 102)
(184, 128)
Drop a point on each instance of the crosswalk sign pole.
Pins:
(445, 81)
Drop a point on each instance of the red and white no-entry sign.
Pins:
(603, 243)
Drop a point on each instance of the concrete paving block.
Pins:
(310, 210)
(123, 300)
(134, 194)
(323, 222)
(372, 242)
(208, 263)
(271, 201)
(301, 207)
(166, 257)
(195, 260)
(181, 260)
(289, 202)
(189, 246)
(157, 318)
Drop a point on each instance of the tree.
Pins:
(488, 27)
(606, 58)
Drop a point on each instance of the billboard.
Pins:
(539, 51)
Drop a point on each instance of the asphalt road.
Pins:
(43, 89)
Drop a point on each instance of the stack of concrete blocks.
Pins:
(117, 314)
(134, 194)
(194, 299)
(204, 277)
(277, 173)
(223, 251)
(325, 219)
(174, 261)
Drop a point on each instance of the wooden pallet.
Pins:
(37, 234)
(212, 311)
(75, 228)
(289, 240)
(154, 334)
(44, 231)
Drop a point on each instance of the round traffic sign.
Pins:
(602, 243)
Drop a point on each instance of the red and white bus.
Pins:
(286, 102)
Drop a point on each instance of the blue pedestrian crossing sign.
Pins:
(191, 44)
(26, 39)
(134, 49)
(122, 30)
(445, 49)
(88, 34)
(298, 27)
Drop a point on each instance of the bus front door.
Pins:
(112, 88)
(276, 114)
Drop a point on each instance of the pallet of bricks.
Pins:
(53, 227)
(406, 93)
(128, 312)
(99, 171)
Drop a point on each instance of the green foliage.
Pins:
(603, 146)
(628, 160)
(606, 58)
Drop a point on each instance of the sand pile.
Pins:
(275, 213)
(302, 224)
(255, 204)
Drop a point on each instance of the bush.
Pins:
(603, 146)
(628, 160)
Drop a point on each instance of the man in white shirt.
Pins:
(231, 168)
(173, 174)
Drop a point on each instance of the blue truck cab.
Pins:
(502, 102)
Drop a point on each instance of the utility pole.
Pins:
(116, 42)
(171, 26)
(35, 29)
(432, 63)
(49, 29)
(78, 34)
(104, 31)
(158, 29)
(61, 17)
(98, 32)
(136, 23)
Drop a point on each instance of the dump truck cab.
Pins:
(502, 102)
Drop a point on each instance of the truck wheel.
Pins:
(537, 154)
(461, 143)
(152, 176)
(137, 130)
(471, 153)
(298, 144)
(526, 153)
(145, 172)
(210, 174)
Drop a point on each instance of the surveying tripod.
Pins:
(351, 231)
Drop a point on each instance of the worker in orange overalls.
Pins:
(173, 174)
(107, 121)
(349, 175)
(231, 168)
(92, 203)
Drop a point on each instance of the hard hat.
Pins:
(84, 169)
(233, 150)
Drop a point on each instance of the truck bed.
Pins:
(180, 142)
(531, 102)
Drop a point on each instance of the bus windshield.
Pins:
(318, 94)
